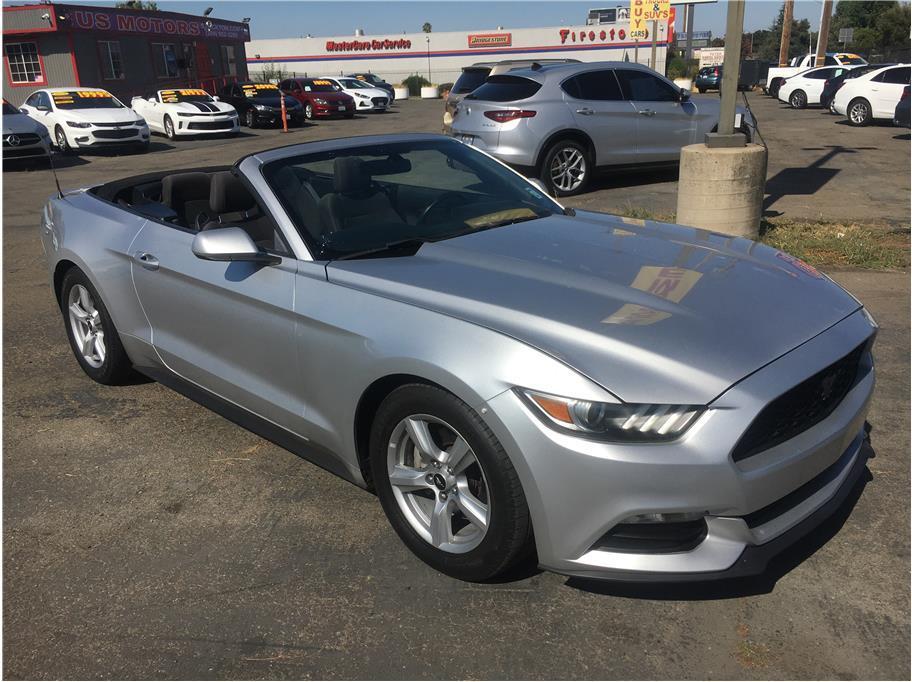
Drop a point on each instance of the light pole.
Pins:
(428, 40)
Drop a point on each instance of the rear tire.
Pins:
(702, 91)
(566, 168)
(859, 112)
(93, 338)
(798, 99)
(485, 482)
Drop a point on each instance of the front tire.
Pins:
(798, 99)
(308, 111)
(702, 91)
(566, 168)
(447, 486)
(169, 128)
(250, 118)
(859, 112)
(60, 139)
(93, 338)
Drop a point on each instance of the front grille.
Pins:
(379, 101)
(24, 139)
(800, 408)
(15, 153)
(210, 125)
(111, 125)
(115, 134)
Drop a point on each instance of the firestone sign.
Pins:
(366, 45)
(133, 22)
(569, 36)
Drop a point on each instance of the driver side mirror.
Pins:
(683, 95)
(215, 98)
(42, 107)
(229, 244)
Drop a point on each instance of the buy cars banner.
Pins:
(643, 12)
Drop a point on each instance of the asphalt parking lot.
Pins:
(144, 536)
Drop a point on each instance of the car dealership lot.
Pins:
(145, 536)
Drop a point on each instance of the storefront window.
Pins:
(229, 66)
(164, 60)
(111, 61)
(24, 64)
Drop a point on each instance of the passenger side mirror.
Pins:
(215, 98)
(229, 244)
(683, 95)
(43, 107)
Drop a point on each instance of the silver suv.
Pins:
(559, 122)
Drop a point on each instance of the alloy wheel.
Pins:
(62, 143)
(438, 483)
(859, 112)
(251, 119)
(308, 111)
(568, 169)
(169, 129)
(85, 322)
(798, 100)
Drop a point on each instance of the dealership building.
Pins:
(439, 57)
(124, 51)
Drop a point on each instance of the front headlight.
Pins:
(261, 107)
(77, 124)
(620, 422)
(139, 122)
(318, 100)
(358, 94)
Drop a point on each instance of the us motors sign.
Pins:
(150, 23)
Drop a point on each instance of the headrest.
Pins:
(228, 194)
(350, 175)
(184, 187)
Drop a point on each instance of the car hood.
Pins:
(201, 107)
(652, 312)
(125, 115)
(370, 92)
(20, 123)
(339, 97)
(275, 102)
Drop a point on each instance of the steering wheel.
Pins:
(440, 201)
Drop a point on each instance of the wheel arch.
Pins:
(574, 134)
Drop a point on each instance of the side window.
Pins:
(829, 61)
(641, 86)
(44, 100)
(32, 100)
(823, 74)
(594, 85)
(880, 78)
(899, 76)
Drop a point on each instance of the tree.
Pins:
(881, 29)
(427, 27)
(149, 5)
(717, 42)
(766, 42)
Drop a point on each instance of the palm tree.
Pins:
(427, 27)
(138, 4)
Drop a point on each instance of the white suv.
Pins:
(873, 95)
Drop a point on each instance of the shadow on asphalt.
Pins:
(735, 588)
(901, 137)
(612, 179)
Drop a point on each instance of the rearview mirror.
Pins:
(229, 244)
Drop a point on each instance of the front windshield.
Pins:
(174, 96)
(348, 201)
(9, 108)
(260, 90)
(85, 99)
(353, 84)
(320, 86)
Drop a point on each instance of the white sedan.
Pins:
(873, 95)
(189, 111)
(367, 97)
(804, 89)
(86, 117)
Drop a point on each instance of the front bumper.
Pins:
(104, 136)
(330, 110)
(579, 490)
(25, 151)
(270, 117)
(207, 125)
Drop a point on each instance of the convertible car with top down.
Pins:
(517, 381)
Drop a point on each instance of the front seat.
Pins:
(231, 203)
(355, 201)
(187, 194)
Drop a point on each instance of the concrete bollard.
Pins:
(721, 189)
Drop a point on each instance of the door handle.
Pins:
(147, 260)
(586, 111)
(646, 112)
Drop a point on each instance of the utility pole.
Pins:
(689, 28)
(824, 33)
(786, 32)
(655, 37)
(734, 27)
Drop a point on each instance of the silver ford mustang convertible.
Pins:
(622, 399)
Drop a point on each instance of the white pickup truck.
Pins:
(778, 74)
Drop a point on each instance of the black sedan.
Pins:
(901, 115)
(259, 104)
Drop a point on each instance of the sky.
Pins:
(342, 17)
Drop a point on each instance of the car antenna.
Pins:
(54, 171)
(535, 66)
